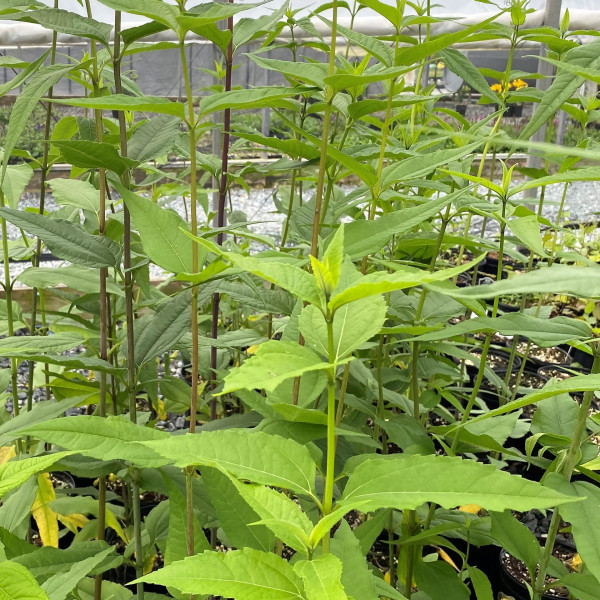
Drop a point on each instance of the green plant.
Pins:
(331, 413)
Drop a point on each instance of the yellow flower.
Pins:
(496, 88)
(519, 83)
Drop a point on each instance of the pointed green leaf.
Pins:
(155, 10)
(15, 181)
(438, 579)
(59, 586)
(273, 363)
(245, 574)
(16, 472)
(321, 577)
(246, 454)
(63, 21)
(153, 104)
(76, 278)
(74, 192)
(112, 438)
(153, 138)
(353, 325)
(23, 346)
(67, 240)
(271, 97)
(161, 231)
(26, 101)
(28, 70)
(584, 517)
(406, 482)
(94, 155)
(235, 515)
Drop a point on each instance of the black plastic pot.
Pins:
(512, 586)
(472, 370)
(514, 110)
(461, 109)
(490, 395)
(580, 357)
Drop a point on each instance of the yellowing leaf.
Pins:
(6, 453)
(73, 522)
(446, 557)
(149, 564)
(473, 509)
(252, 349)
(111, 521)
(576, 563)
(44, 516)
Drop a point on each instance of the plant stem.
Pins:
(330, 94)
(38, 247)
(129, 316)
(103, 298)
(221, 210)
(331, 438)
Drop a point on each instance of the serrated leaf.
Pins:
(406, 482)
(111, 438)
(94, 155)
(77, 278)
(15, 181)
(246, 574)
(67, 240)
(353, 325)
(273, 363)
(74, 192)
(153, 138)
(161, 231)
(272, 97)
(24, 346)
(321, 577)
(246, 454)
(155, 10)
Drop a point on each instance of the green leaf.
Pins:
(235, 515)
(582, 585)
(77, 193)
(382, 282)
(563, 87)
(176, 548)
(112, 438)
(152, 104)
(94, 155)
(583, 282)
(273, 363)
(29, 69)
(321, 577)
(362, 237)
(353, 325)
(584, 174)
(155, 10)
(165, 328)
(309, 73)
(76, 278)
(24, 346)
(516, 538)
(527, 229)
(246, 454)
(557, 415)
(153, 138)
(356, 576)
(59, 586)
(293, 147)
(279, 513)
(15, 181)
(380, 50)
(406, 482)
(17, 583)
(16, 472)
(26, 101)
(67, 22)
(584, 517)
(460, 65)
(543, 332)
(481, 584)
(343, 81)
(417, 166)
(41, 412)
(161, 231)
(439, 580)
(271, 97)
(67, 240)
(245, 574)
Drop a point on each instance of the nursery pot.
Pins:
(496, 359)
(514, 110)
(461, 109)
(510, 585)
(542, 357)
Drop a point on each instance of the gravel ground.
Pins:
(581, 205)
